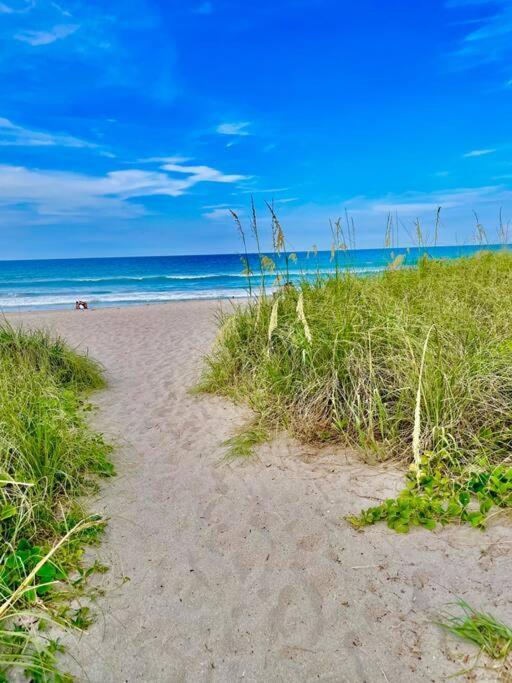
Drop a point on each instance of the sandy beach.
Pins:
(247, 571)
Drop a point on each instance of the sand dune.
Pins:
(248, 571)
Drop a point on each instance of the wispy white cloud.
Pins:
(107, 44)
(47, 196)
(491, 40)
(177, 159)
(308, 223)
(203, 174)
(219, 214)
(478, 153)
(61, 9)
(239, 128)
(9, 9)
(14, 135)
(412, 203)
(38, 38)
(270, 190)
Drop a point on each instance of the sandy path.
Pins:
(248, 572)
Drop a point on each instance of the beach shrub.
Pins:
(414, 362)
(49, 457)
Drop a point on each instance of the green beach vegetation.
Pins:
(413, 363)
(49, 458)
(493, 637)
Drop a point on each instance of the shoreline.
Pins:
(138, 306)
(112, 283)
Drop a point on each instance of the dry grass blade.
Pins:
(26, 584)
(302, 317)
(416, 433)
(273, 321)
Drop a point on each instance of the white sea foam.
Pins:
(140, 291)
(119, 298)
(188, 276)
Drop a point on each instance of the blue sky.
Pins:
(132, 127)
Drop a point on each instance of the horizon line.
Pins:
(255, 253)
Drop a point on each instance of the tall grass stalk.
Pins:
(256, 235)
(416, 432)
(245, 257)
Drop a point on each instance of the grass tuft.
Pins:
(49, 458)
(491, 636)
(242, 445)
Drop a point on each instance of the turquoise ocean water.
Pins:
(48, 284)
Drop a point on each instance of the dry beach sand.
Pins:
(247, 571)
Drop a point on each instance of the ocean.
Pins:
(123, 281)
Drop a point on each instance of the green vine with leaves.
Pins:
(434, 498)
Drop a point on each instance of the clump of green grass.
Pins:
(412, 363)
(49, 457)
(491, 636)
(352, 374)
(242, 444)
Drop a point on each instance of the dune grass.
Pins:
(357, 379)
(413, 363)
(49, 458)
